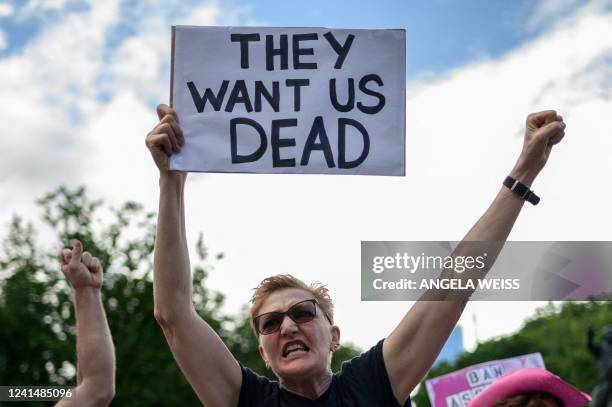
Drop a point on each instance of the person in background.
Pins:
(533, 387)
(95, 351)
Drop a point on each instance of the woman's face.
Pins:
(297, 351)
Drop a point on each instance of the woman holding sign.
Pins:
(294, 322)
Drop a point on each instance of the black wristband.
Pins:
(521, 190)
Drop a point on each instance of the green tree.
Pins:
(37, 326)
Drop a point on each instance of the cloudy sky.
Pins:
(79, 81)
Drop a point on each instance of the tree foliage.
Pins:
(557, 332)
(37, 325)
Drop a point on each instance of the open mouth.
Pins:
(295, 347)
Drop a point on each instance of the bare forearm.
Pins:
(425, 328)
(487, 237)
(497, 221)
(436, 316)
(437, 319)
(95, 354)
(171, 270)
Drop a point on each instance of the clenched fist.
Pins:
(81, 269)
(543, 130)
(166, 138)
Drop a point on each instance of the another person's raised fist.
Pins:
(81, 269)
(95, 351)
(166, 138)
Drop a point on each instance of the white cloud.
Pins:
(38, 7)
(547, 13)
(58, 77)
(6, 10)
(3, 43)
(209, 15)
(51, 79)
(141, 62)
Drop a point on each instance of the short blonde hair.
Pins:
(281, 281)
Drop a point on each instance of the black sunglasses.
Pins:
(300, 313)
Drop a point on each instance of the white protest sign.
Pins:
(290, 100)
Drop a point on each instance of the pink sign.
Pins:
(457, 389)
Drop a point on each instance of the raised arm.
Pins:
(411, 349)
(95, 354)
(208, 365)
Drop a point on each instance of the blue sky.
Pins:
(442, 34)
(78, 80)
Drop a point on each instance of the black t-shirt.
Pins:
(361, 382)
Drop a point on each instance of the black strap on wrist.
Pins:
(521, 190)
